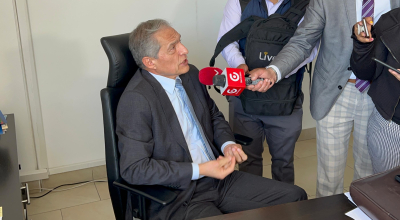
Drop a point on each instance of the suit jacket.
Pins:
(385, 88)
(330, 21)
(151, 143)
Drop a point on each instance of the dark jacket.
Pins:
(385, 88)
(151, 143)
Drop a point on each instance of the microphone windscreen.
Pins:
(207, 74)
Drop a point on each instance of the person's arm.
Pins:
(231, 18)
(304, 41)
(361, 61)
(136, 145)
(296, 51)
(306, 61)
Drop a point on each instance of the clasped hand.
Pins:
(224, 166)
(235, 150)
(219, 168)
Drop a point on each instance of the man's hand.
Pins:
(219, 168)
(268, 74)
(244, 67)
(394, 74)
(235, 150)
(362, 37)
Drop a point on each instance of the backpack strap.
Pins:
(238, 32)
(297, 10)
(243, 4)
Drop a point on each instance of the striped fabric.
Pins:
(362, 85)
(367, 11)
(368, 8)
(383, 143)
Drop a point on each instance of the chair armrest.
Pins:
(243, 140)
(159, 194)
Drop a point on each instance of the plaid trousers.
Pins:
(352, 108)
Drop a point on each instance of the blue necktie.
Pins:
(192, 117)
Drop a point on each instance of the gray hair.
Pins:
(142, 42)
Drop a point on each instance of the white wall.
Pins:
(72, 66)
(13, 96)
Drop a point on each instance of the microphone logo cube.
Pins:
(235, 82)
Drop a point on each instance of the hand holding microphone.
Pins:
(268, 74)
(231, 81)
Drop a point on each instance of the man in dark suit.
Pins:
(171, 133)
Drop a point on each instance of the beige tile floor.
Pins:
(92, 201)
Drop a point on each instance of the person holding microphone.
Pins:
(383, 132)
(337, 102)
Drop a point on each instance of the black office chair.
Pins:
(121, 69)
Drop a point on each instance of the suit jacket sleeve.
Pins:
(304, 40)
(136, 145)
(361, 59)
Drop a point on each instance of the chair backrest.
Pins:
(121, 69)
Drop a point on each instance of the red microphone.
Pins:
(231, 81)
(207, 74)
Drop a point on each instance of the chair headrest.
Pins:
(122, 66)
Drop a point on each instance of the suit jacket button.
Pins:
(340, 87)
(185, 203)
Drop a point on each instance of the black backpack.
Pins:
(265, 39)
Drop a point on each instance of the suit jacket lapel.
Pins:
(351, 10)
(168, 110)
(197, 103)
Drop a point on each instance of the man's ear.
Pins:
(149, 62)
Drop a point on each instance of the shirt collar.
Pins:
(285, 1)
(167, 83)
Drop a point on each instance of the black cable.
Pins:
(69, 184)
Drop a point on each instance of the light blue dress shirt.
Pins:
(192, 137)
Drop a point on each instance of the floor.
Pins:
(92, 201)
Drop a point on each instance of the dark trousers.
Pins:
(239, 192)
(280, 132)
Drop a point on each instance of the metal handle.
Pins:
(28, 198)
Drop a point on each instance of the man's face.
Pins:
(172, 57)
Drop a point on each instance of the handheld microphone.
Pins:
(231, 81)
(206, 75)
(220, 80)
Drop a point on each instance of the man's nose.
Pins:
(183, 50)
